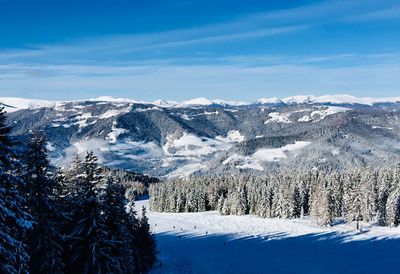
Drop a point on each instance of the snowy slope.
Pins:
(209, 243)
(328, 99)
(13, 104)
(168, 140)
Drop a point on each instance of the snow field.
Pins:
(207, 242)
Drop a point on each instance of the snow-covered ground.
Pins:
(209, 243)
(262, 155)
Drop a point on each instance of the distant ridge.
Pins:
(14, 103)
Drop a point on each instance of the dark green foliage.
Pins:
(45, 240)
(105, 238)
(117, 225)
(77, 221)
(15, 222)
(145, 245)
(88, 238)
(296, 213)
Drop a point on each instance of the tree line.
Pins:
(136, 184)
(359, 195)
(72, 221)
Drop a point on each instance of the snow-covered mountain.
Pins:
(14, 104)
(341, 99)
(201, 135)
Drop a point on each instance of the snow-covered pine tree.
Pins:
(63, 199)
(393, 201)
(260, 206)
(354, 200)
(15, 222)
(226, 205)
(336, 184)
(296, 202)
(132, 225)
(322, 207)
(238, 200)
(45, 239)
(384, 186)
(328, 207)
(74, 174)
(117, 224)
(145, 244)
(61, 184)
(393, 206)
(284, 205)
(279, 203)
(220, 205)
(89, 248)
(304, 189)
(369, 189)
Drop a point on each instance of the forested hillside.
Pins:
(75, 220)
(218, 138)
(359, 195)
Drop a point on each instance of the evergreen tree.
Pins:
(393, 207)
(336, 184)
(322, 207)
(145, 245)
(296, 198)
(117, 229)
(89, 248)
(382, 200)
(305, 198)
(355, 201)
(61, 184)
(45, 238)
(15, 222)
(369, 190)
(132, 225)
(393, 202)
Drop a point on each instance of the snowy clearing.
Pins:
(255, 160)
(278, 118)
(114, 112)
(209, 243)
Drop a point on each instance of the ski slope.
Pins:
(209, 243)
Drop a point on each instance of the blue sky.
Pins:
(176, 50)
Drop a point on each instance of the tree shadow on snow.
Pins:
(276, 253)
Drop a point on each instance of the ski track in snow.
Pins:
(207, 242)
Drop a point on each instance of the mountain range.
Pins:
(202, 136)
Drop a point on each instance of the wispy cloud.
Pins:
(247, 27)
(229, 80)
(382, 14)
(128, 65)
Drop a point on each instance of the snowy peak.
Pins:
(300, 99)
(112, 99)
(337, 99)
(352, 100)
(164, 103)
(13, 104)
(268, 101)
(201, 101)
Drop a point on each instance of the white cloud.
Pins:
(48, 69)
(228, 81)
(96, 145)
